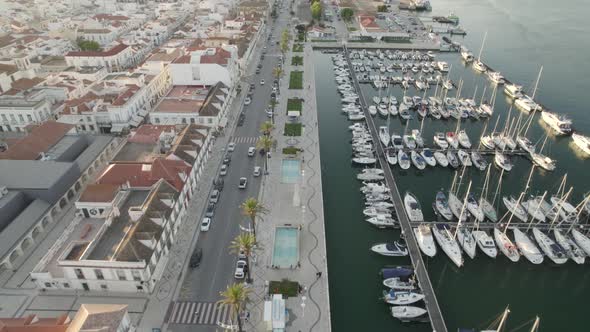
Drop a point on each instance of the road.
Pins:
(216, 271)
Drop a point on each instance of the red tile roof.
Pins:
(40, 139)
(99, 193)
(33, 323)
(114, 50)
(149, 134)
(102, 17)
(146, 174)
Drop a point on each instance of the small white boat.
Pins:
(404, 112)
(403, 159)
(496, 77)
(478, 161)
(417, 160)
(369, 177)
(391, 157)
(398, 283)
(503, 161)
(384, 135)
(543, 161)
(356, 116)
(397, 141)
(373, 110)
(534, 209)
(441, 205)
(409, 142)
(571, 248)
(452, 139)
(401, 297)
(526, 104)
(392, 110)
(514, 207)
(463, 139)
(567, 212)
(447, 242)
(467, 241)
(582, 142)
(506, 246)
(488, 210)
(527, 247)
(425, 240)
(390, 249)
(453, 159)
(441, 159)
(466, 55)
(485, 243)
(406, 313)
(582, 240)
(428, 157)
(474, 208)
(382, 109)
(525, 144)
(513, 90)
(560, 124)
(488, 141)
(382, 221)
(456, 207)
(418, 138)
(553, 250)
(413, 208)
(376, 99)
(464, 158)
(380, 204)
(440, 140)
(364, 160)
(479, 66)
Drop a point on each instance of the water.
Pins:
(286, 247)
(290, 170)
(522, 36)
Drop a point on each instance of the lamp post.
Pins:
(303, 298)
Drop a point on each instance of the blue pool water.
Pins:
(285, 252)
(290, 170)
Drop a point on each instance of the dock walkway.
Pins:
(436, 318)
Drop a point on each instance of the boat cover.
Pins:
(396, 272)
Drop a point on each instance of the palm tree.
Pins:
(245, 243)
(236, 296)
(266, 127)
(265, 143)
(252, 208)
(277, 72)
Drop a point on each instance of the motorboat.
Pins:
(514, 207)
(527, 247)
(382, 221)
(485, 110)
(373, 110)
(582, 142)
(496, 77)
(466, 241)
(382, 109)
(376, 99)
(403, 159)
(422, 111)
(442, 66)
(456, 207)
(441, 205)
(392, 110)
(447, 84)
(488, 141)
(447, 242)
(413, 208)
(466, 55)
(485, 243)
(398, 283)
(440, 140)
(474, 208)
(417, 160)
(369, 177)
(418, 138)
(404, 112)
(571, 248)
(543, 161)
(534, 210)
(526, 104)
(434, 112)
(513, 90)
(356, 116)
(380, 204)
(397, 142)
(425, 240)
(376, 197)
(377, 171)
(395, 249)
(364, 160)
(525, 144)
(402, 297)
(502, 161)
(553, 250)
(582, 240)
(369, 187)
(391, 156)
(561, 124)
(407, 100)
(452, 139)
(479, 66)
(506, 246)
(453, 159)
(478, 161)
(409, 142)
(407, 313)
(357, 126)
(428, 157)
(464, 158)
(463, 139)
(441, 159)
(384, 135)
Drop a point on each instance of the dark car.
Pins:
(257, 70)
(218, 184)
(227, 159)
(196, 257)
(210, 210)
(252, 86)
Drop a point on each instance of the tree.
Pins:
(277, 72)
(285, 37)
(266, 127)
(316, 10)
(246, 244)
(265, 143)
(88, 45)
(252, 209)
(347, 14)
(382, 8)
(236, 296)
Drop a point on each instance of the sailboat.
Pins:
(477, 64)
(582, 142)
(488, 208)
(553, 250)
(485, 243)
(447, 242)
(454, 202)
(522, 141)
(384, 135)
(425, 240)
(543, 161)
(403, 160)
(571, 248)
(527, 103)
(527, 247)
(463, 234)
(391, 156)
(413, 208)
(505, 245)
(442, 206)
(582, 240)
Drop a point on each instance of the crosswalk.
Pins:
(199, 313)
(242, 139)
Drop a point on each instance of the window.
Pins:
(139, 288)
(136, 275)
(157, 120)
(91, 127)
(192, 120)
(66, 285)
(98, 274)
(12, 117)
(29, 118)
(103, 286)
(4, 118)
(79, 274)
(89, 119)
(82, 127)
(183, 120)
(209, 121)
(48, 285)
(21, 118)
(121, 275)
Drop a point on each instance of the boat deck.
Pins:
(436, 318)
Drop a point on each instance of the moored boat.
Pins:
(425, 240)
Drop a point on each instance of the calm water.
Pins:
(522, 36)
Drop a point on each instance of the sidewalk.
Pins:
(299, 204)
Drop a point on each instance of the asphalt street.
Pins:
(203, 284)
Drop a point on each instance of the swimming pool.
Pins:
(285, 252)
(290, 170)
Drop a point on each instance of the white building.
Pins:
(17, 112)
(117, 58)
(206, 67)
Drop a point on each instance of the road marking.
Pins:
(242, 139)
(199, 313)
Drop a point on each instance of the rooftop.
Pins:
(34, 323)
(179, 106)
(98, 317)
(138, 152)
(102, 193)
(113, 51)
(40, 139)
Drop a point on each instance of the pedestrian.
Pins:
(319, 274)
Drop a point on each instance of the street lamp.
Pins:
(303, 298)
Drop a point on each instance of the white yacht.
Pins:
(561, 124)
(553, 250)
(479, 66)
(525, 144)
(534, 209)
(571, 248)
(527, 247)
(485, 243)
(393, 110)
(402, 297)
(406, 313)
(513, 90)
(452, 139)
(478, 160)
(440, 141)
(505, 245)
(382, 109)
(488, 141)
(464, 139)
(409, 142)
(398, 283)
(514, 207)
(467, 241)
(418, 138)
(369, 177)
(425, 240)
(527, 104)
(583, 142)
(403, 160)
(567, 212)
(543, 161)
(466, 54)
(381, 221)
(503, 161)
(390, 249)
(417, 160)
(384, 135)
(373, 110)
(364, 160)
(391, 157)
(442, 66)
(442, 206)
(464, 158)
(428, 157)
(496, 77)
(413, 208)
(397, 142)
(456, 207)
(447, 242)
(582, 240)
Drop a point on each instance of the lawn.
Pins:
(297, 47)
(301, 36)
(285, 287)
(295, 104)
(291, 150)
(296, 80)
(297, 61)
(293, 129)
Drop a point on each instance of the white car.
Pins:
(205, 224)
(223, 170)
(214, 197)
(261, 82)
(251, 151)
(243, 183)
(231, 146)
(256, 170)
(240, 269)
(247, 101)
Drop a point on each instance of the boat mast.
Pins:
(538, 207)
(462, 210)
(537, 82)
(496, 125)
(503, 320)
(421, 124)
(498, 187)
(486, 184)
(475, 92)
(485, 127)
(579, 208)
(453, 183)
(520, 198)
(536, 324)
(482, 44)
(483, 94)
(559, 208)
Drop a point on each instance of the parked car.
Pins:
(261, 82)
(214, 197)
(247, 101)
(256, 170)
(205, 224)
(243, 182)
(218, 184)
(231, 146)
(257, 70)
(241, 268)
(227, 159)
(223, 170)
(210, 211)
(251, 151)
(196, 258)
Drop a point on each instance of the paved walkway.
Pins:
(299, 204)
